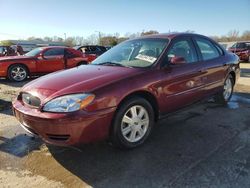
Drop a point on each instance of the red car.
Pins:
(126, 90)
(242, 49)
(40, 61)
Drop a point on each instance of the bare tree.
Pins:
(150, 32)
(233, 34)
(246, 35)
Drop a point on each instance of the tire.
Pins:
(132, 123)
(225, 96)
(17, 73)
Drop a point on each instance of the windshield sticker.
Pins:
(146, 58)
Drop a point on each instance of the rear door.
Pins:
(51, 60)
(213, 62)
(181, 84)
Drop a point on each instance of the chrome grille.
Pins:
(30, 100)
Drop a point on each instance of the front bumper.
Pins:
(65, 129)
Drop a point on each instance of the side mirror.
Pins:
(177, 60)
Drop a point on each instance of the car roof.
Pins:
(171, 35)
(88, 46)
(50, 47)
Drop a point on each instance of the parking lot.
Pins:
(206, 145)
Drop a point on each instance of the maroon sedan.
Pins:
(242, 49)
(126, 90)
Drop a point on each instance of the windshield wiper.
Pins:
(111, 64)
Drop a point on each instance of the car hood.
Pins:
(14, 58)
(85, 78)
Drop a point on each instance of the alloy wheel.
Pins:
(18, 73)
(135, 123)
(228, 88)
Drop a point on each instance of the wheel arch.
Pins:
(232, 73)
(27, 68)
(147, 96)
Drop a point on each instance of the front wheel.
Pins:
(225, 96)
(17, 73)
(133, 123)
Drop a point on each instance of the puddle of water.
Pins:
(233, 105)
(235, 100)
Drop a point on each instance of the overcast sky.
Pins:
(25, 18)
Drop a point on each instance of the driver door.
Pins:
(51, 60)
(181, 83)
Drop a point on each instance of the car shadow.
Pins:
(175, 145)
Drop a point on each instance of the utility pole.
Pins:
(99, 37)
(64, 37)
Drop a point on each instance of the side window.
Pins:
(70, 54)
(54, 52)
(219, 49)
(1, 50)
(183, 48)
(242, 45)
(207, 49)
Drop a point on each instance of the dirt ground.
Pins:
(206, 145)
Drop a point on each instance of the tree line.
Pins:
(114, 39)
(233, 35)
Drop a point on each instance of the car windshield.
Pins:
(133, 53)
(34, 52)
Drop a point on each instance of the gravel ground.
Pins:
(206, 145)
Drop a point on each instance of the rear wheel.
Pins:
(17, 73)
(133, 123)
(225, 96)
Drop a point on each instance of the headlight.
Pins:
(69, 103)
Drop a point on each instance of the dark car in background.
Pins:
(242, 49)
(12, 50)
(91, 51)
(125, 91)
